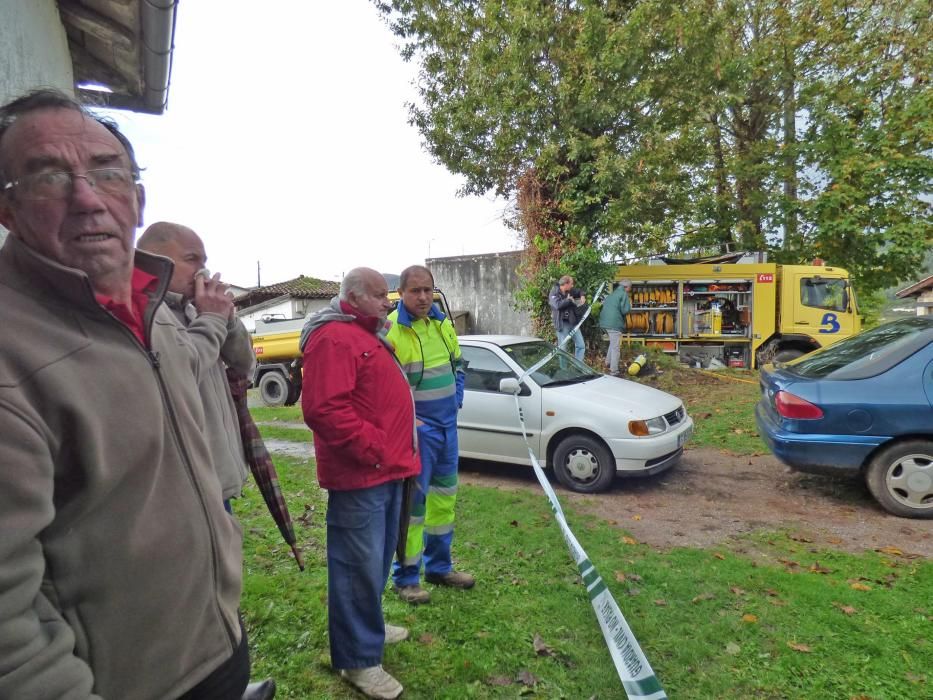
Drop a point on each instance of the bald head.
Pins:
(366, 291)
(183, 246)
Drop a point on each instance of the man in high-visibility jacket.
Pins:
(426, 346)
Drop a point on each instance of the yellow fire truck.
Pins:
(745, 314)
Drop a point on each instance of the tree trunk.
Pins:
(792, 240)
(723, 222)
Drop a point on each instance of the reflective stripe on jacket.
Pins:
(430, 355)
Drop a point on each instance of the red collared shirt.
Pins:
(132, 317)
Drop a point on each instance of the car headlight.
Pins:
(642, 428)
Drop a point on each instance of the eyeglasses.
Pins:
(60, 185)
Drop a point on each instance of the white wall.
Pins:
(484, 285)
(33, 48)
(287, 308)
(33, 51)
(925, 303)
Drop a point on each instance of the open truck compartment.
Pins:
(741, 314)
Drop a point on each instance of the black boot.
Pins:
(260, 691)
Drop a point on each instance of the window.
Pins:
(561, 368)
(869, 353)
(484, 369)
(823, 293)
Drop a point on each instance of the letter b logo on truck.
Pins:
(829, 324)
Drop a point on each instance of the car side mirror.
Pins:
(509, 385)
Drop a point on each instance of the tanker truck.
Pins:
(278, 361)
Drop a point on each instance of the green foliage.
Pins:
(583, 263)
(871, 307)
(642, 127)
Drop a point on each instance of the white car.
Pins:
(587, 426)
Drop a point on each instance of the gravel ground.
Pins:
(711, 497)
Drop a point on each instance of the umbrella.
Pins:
(408, 485)
(260, 463)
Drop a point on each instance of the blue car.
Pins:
(863, 406)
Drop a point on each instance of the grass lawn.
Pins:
(780, 619)
(722, 405)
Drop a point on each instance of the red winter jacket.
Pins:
(358, 403)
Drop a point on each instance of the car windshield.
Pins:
(563, 368)
(867, 353)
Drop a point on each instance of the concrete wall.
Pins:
(483, 285)
(33, 51)
(925, 303)
(33, 48)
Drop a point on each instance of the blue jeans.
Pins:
(362, 531)
(578, 347)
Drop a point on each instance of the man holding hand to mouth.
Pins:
(185, 297)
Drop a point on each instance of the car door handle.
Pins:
(802, 323)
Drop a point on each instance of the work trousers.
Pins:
(579, 349)
(612, 355)
(431, 528)
(362, 532)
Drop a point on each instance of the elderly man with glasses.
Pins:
(120, 571)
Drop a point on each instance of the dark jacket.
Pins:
(119, 568)
(558, 301)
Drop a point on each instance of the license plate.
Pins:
(683, 437)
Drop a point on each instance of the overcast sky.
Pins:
(286, 141)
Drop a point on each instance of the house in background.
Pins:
(82, 46)
(922, 291)
(285, 300)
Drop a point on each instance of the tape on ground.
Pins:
(637, 676)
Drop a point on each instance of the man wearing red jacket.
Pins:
(356, 399)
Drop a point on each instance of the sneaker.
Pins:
(373, 682)
(415, 595)
(454, 579)
(395, 634)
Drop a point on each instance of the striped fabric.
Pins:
(260, 463)
(430, 356)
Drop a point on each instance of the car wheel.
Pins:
(900, 477)
(273, 389)
(584, 464)
(787, 355)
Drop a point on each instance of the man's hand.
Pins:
(211, 297)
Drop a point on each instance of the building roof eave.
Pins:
(915, 289)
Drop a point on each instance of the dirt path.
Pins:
(711, 496)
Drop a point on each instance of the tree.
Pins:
(633, 127)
